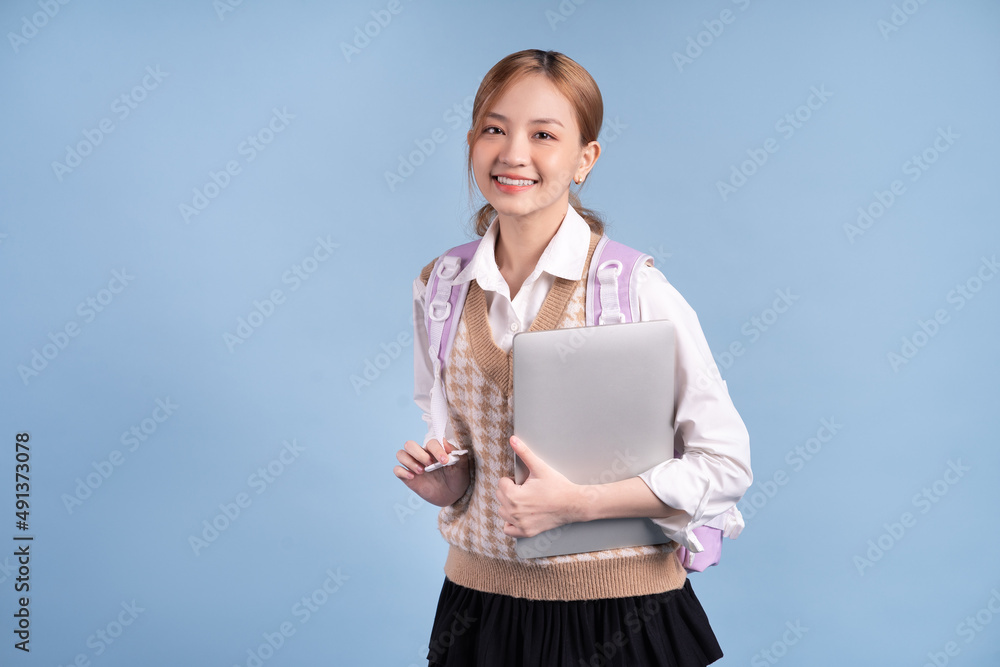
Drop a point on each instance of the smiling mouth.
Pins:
(513, 181)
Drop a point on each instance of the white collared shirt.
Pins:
(714, 472)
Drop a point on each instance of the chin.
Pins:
(510, 211)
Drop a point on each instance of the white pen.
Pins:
(452, 460)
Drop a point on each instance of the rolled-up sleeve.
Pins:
(713, 472)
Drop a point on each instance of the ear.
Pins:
(591, 152)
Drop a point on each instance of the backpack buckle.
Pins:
(439, 310)
(448, 268)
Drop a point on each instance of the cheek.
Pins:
(561, 169)
(482, 161)
(479, 165)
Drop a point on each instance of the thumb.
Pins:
(536, 466)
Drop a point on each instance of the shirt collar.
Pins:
(563, 257)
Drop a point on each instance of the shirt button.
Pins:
(514, 326)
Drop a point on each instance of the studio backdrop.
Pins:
(211, 216)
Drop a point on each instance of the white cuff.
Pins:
(680, 527)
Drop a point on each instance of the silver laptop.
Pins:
(597, 404)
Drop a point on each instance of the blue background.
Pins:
(674, 130)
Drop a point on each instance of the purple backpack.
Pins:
(612, 278)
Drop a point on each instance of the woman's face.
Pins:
(529, 152)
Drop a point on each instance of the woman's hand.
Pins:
(544, 501)
(441, 487)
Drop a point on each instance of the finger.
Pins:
(504, 514)
(535, 465)
(418, 453)
(437, 451)
(505, 487)
(409, 462)
(402, 473)
(463, 461)
(513, 531)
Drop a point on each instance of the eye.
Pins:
(544, 135)
(488, 130)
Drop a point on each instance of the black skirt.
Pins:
(477, 629)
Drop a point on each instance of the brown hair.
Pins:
(571, 79)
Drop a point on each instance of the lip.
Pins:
(511, 189)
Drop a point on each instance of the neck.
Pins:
(521, 241)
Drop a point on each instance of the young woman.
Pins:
(534, 132)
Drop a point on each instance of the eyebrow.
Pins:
(537, 121)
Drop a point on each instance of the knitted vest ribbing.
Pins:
(478, 381)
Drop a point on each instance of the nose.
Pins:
(514, 151)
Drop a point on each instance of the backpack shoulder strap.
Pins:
(612, 296)
(425, 273)
(443, 306)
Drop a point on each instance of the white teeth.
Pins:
(511, 181)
